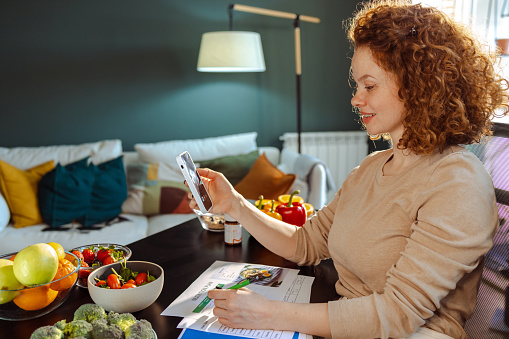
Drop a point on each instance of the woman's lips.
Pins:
(366, 118)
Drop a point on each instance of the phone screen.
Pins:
(196, 181)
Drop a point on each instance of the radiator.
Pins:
(340, 151)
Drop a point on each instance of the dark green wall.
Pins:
(83, 71)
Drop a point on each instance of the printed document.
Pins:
(274, 283)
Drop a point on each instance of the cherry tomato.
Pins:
(128, 285)
(88, 255)
(103, 254)
(108, 260)
(84, 273)
(100, 283)
(78, 254)
(141, 278)
(113, 281)
(131, 281)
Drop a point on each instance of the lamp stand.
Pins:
(298, 62)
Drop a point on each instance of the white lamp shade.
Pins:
(231, 51)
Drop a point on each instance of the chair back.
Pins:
(490, 312)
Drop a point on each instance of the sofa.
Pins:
(148, 194)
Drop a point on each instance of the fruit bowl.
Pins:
(131, 299)
(38, 300)
(85, 271)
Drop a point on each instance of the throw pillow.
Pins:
(265, 179)
(234, 167)
(27, 157)
(155, 188)
(5, 215)
(200, 149)
(64, 193)
(20, 191)
(109, 191)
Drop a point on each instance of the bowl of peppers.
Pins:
(289, 208)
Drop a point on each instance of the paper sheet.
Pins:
(225, 273)
(298, 292)
(193, 304)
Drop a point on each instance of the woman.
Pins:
(408, 229)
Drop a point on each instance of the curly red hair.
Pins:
(447, 80)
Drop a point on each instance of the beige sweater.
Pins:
(409, 248)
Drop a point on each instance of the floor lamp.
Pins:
(235, 51)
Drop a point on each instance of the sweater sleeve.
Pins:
(312, 237)
(456, 222)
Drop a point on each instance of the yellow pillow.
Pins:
(265, 179)
(20, 191)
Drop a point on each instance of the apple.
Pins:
(8, 282)
(36, 264)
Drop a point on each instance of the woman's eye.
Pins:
(369, 88)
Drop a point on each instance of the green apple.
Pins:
(36, 264)
(8, 282)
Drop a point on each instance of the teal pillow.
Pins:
(64, 193)
(234, 167)
(109, 190)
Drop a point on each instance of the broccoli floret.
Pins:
(101, 330)
(100, 322)
(89, 313)
(47, 332)
(78, 328)
(60, 324)
(122, 320)
(140, 330)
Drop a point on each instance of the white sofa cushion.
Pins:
(199, 149)
(123, 233)
(5, 215)
(28, 157)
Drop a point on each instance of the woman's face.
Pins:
(376, 96)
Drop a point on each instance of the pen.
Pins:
(239, 285)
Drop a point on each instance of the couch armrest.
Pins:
(317, 184)
(316, 179)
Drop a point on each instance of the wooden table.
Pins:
(184, 252)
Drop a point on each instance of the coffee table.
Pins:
(184, 252)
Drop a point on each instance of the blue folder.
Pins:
(195, 334)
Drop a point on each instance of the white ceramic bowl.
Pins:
(130, 299)
(85, 271)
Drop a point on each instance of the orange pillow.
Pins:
(20, 191)
(265, 179)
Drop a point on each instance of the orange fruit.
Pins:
(309, 209)
(285, 197)
(72, 259)
(32, 299)
(59, 249)
(65, 267)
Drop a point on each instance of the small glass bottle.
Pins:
(232, 231)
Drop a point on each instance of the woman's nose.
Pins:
(357, 101)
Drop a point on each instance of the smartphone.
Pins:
(194, 182)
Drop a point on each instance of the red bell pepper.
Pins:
(292, 213)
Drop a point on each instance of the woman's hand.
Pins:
(243, 308)
(219, 188)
